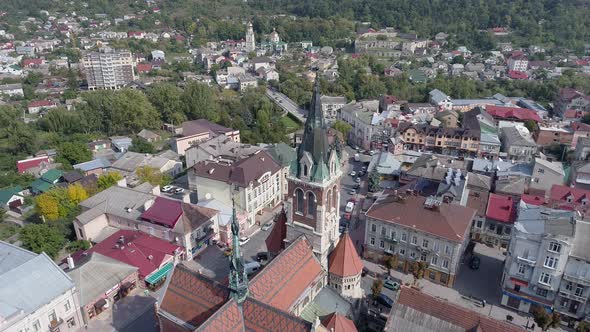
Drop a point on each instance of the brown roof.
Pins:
(201, 126)
(344, 260)
(286, 277)
(275, 242)
(193, 297)
(448, 221)
(442, 310)
(478, 201)
(241, 172)
(335, 322)
(194, 216)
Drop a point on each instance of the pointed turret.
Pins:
(345, 267)
(238, 279)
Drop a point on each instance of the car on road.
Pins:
(349, 207)
(390, 284)
(357, 180)
(364, 169)
(385, 300)
(266, 226)
(244, 240)
(166, 189)
(361, 174)
(179, 190)
(347, 216)
(251, 267)
(372, 152)
(353, 173)
(352, 192)
(357, 186)
(262, 256)
(474, 263)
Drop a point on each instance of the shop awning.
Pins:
(519, 282)
(158, 275)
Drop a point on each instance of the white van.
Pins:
(349, 207)
(251, 267)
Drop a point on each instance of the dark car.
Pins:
(385, 300)
(262, 256)
(474, 263)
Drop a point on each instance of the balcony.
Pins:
(390, 240)
(572, 296)
(55, 324)
(577, 280)
(528, 261)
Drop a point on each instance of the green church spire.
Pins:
(238, 279)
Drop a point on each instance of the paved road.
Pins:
(286, 104)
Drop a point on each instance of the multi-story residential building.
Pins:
(500, 216)
(367, 123)
(197, 131)
(571, 99)
(449, 141)
(387, 43)
(545, 174)
(109, 69)
(254, 183)
(518, 63)
(221, 147)
(331, 106)
(36, 294)
(419, 229)
(517, 144)
(15, 89)
(546, 262)
(548, 135)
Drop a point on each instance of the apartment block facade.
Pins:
(108, 70)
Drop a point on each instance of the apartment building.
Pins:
(108, 69)
(331, 106)
(419, 229)
(548, 263)
(449, 141)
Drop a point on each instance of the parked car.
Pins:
(349, 207)
(372, 152)
(353, 173)
(179, 190)
(390, 284)
(361, 174)
(352, 192)
(266, 226)
(166, 189)
(474, 263)
(251, 267)
(244, 240)
(262, 256)
(364, 169)
(385, 300)
(357, 180)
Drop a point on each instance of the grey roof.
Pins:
(123, 202)
(514, 138)
(97, 275)
(385, 163)
(437, 96)
(540, 220)
(223, 146)
(130, 161)
(93, 164)
(581, 247)
(480, 181)
(29, 283)
(148, 134)
(168, 154)
(555, 166)
(333, 100)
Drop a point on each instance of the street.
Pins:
(286, 104)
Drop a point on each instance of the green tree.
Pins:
(377, 287)
(374, 180)
(2, 215)
(142, 146)
(22, 139)
(152, 175)
(418, 269)
(74, 153)
(108, 180)
(343, 127)
(166, 98)
(47, 206)
(583, 327)
(390, 262)
(530, 125)
(78, 245)
(42, 238)
(544, 319)
(199, 102)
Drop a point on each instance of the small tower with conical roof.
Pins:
(250, 39)
(238, 279)
(345, 268)
(313, 198)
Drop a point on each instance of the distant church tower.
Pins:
(313, 198)
(250, 40)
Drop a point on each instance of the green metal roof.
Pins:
(7, 193)
(41, 186)
(52, 175)
(161, 273)
(321, 172)
(312, 311)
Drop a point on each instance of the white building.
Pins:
(36, 295)
(331, 106)
(15, 89)
(109, 69)
(158, 55)
(250, 39)
(518, 64)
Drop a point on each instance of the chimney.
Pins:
(148, 204)
(71, 264)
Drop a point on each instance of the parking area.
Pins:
(132, 313)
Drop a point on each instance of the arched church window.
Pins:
(299, 208)
(311, 204)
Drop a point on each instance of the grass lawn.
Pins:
(7, 230)
(290, 124)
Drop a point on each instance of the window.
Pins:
(304, 170)
(402, 251)
(447, 250)
(479, 224)
(413, 255)
(52, 316)
(436, 246)
(381, 244)
(329, 200)
(445, 264)
(393, 235)
(542, 292)
(334, 197)
(414, 240)
(550, 262)
(569, 286)
(373, 228)
(383, 230)
(555, 247)
(579, 290)
(300, 204)
(67, 306)
(434, 260)
(432, 275)
(372, 241)
(492, 227)
(425, 243)
(545, 278)
(423, 257)
(521, 268)
(311, 204)
(540, 170)
(404, 237)
(391, 247)
(36, 325)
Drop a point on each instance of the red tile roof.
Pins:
(193, 297)
(579, 126)
(448, 221)
(337, 323)
(23, 165)
(32, 62)
(144, 67)
(516, 113)
(533, 199)
(164, 211)
(138, 249)
(261, 317)
(344, 260)
(579, 198)
(275, 242)
(448, 312)
(41, 103)
(501, 208)
(286, 277)
(518, 75)
(573, 114)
